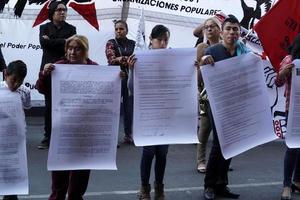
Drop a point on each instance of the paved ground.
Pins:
(257, 173)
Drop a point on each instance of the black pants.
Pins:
(10, 197)
(127, 108)
(160, 152)
(47, 119)
(216, 175)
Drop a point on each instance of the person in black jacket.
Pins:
(53, 37)
(117, 52)
(2, 62)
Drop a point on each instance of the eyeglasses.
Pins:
(61, 10)
(206, 27)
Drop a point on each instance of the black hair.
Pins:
(121, 22)
(158, 31)
(295, 50)
(17, 68)
(231, 19)
(52, 8)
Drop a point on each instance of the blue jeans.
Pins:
(291, 165)
(160, 152)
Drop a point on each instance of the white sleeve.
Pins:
(25, 96)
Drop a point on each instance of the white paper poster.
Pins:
(293, 125)
(239, 102)
(85, 117)
(13, 157)
(165, 97)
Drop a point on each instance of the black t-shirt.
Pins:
(219, 52)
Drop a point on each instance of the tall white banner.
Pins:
(13, 156)
(85, 117)
(293, 128)
(165, 97)
(239, 102)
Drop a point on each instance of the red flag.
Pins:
(43, 15)
(278, 28)
(87, 11)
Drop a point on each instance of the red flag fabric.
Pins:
(43, 15)
(278, 28)
(87, 11)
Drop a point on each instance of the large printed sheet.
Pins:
(293, 125)
(239, 102)
(85, 117)
(13, 157)
(165, 97)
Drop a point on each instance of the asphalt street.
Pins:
(257, 174)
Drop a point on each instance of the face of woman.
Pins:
(212, 31)
(75, 53)
(120, 30)
(160, 42)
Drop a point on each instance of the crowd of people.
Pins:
(217, 41)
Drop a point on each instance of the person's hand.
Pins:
(131, 61)
(208, 59)
(286, 71)
(121, 60)
(46, 37)
(48, 68)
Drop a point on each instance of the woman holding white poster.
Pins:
(159, 39)
(292, 155)
(212, 31)
(117, 51)
(73, 182)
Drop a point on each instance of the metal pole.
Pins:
(125, 9)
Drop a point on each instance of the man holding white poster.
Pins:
(216, 178)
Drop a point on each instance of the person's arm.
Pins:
(2, 62)
(25, 96)
(285, 71)
(41, 84)
(200, 53)
(50, 43)
(45, 40)
(198, 31)
(73, 31)
(112, 59)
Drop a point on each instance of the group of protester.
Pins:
(220, 41)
